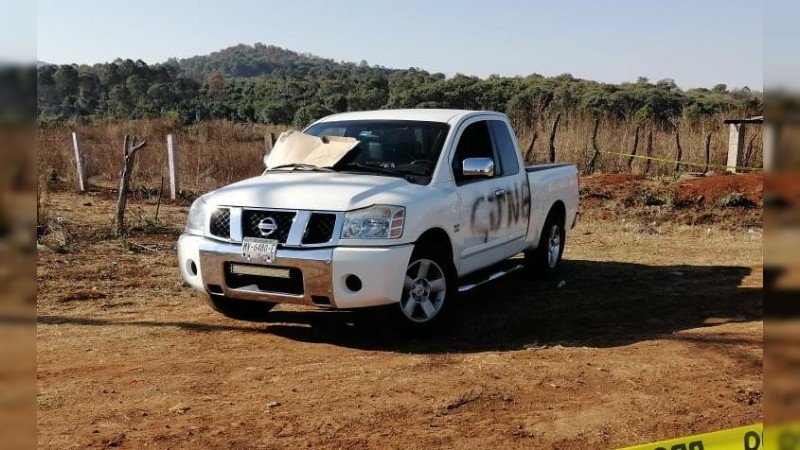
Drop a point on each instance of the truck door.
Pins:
(487, 231)
(512, 181)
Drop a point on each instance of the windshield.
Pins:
(403, 147)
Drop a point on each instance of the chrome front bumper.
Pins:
(204, 262)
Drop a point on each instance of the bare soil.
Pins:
(728, 201)
(656, 332)
(713, 189)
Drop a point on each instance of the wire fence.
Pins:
(207, 157)
(214, 154)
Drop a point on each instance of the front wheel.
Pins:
(427, 290)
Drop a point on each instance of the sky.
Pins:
(782, 36)
(17, 31)
(698, 43)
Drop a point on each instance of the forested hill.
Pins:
(267, 84)
(259, 60)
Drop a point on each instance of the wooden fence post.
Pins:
(172, 159)
(83, 183)
(130, 147)
(749, 152)
(635, 147)
(649, 151)
(708, 152)
(529, 151)
(553, 138)
(680, 150)
(269, 142)
(593, 162)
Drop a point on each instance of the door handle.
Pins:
(499, 192)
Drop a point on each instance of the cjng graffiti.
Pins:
(496, 210)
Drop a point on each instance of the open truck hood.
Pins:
(294, 147)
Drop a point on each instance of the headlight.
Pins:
(197, 216)
(375, 222)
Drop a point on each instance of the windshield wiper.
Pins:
(377, 169)
(309, 167)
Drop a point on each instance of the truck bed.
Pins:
(549, 184)
(539, 167)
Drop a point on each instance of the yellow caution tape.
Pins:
(742, 438)
(654, 158)
(782, 437)
(753, 437)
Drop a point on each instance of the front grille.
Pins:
(252, 217)
(220, 223)
(320, 228)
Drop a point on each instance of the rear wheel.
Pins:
(545, 260)
(428, 288)
(239, 309)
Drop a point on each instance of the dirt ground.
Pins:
(723, 200)
(655, 333)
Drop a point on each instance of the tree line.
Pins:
(267, 84)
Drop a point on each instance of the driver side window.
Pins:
(475, 142)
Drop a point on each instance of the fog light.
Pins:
(353, 283)
(191, 267)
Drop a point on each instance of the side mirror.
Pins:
(477, 168)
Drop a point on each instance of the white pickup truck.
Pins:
(418, 206)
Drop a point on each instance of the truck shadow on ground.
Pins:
(601, 304)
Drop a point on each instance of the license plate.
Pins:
(261, 271)
(260, 249)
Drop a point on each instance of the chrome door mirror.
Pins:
(477, 168)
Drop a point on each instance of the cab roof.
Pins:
(450, 116)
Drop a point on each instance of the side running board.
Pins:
(473, 281)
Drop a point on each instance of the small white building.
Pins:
(736, 148)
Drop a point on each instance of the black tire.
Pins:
(545, 260)
(427, 292)
(239, 309)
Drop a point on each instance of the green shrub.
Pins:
(735, 200)
(650, 198)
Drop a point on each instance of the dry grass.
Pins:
(213, 154)
(573, 143)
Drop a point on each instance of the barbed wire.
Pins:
(683, 163)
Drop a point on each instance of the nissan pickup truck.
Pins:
(364, 209)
